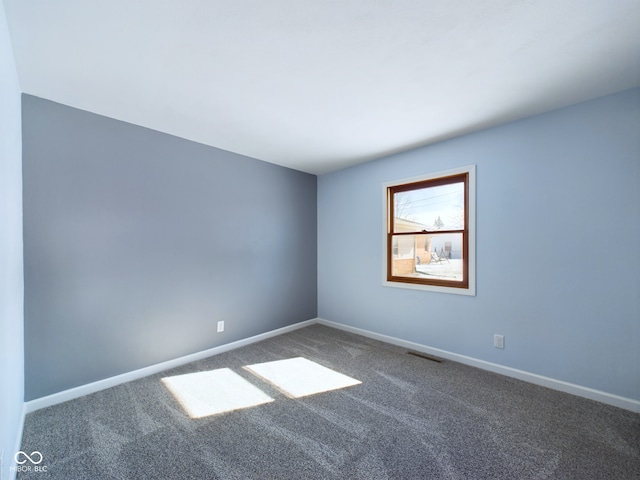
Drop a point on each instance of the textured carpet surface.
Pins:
(409, 418)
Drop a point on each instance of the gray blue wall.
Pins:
(137, 243)
(558, 247)
(11, 285)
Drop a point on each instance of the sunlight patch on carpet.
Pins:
(202, 394)
(300, 377)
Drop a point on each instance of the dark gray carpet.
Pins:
(410, 418)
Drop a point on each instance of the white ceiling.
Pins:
(323, 84)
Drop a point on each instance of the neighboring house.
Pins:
(412, 250)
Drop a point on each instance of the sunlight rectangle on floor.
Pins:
(216, 391)
(300, 377)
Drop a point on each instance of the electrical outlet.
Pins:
(221, 326)
(498, 341)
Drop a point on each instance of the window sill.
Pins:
(471, 291)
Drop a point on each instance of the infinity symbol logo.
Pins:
(27, 457)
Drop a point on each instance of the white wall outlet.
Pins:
(221, 326)
(498, 341)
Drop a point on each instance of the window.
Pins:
(429, 238)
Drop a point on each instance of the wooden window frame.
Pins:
(467, 285)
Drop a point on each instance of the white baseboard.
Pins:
(586, 392)
(93, 387)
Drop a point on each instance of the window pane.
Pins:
(430, 208)
(437, 256)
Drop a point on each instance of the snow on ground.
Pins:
(446, 269)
